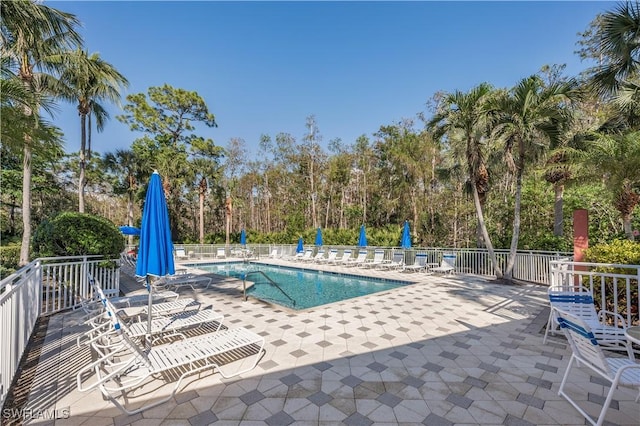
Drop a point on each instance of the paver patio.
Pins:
(456, 350)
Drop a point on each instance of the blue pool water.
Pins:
(300, 288)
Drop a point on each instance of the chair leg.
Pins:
(607, 402)
(550, 321)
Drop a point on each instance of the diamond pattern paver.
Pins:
(443, 352)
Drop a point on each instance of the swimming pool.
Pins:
(300, 288)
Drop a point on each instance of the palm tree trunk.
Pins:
(558, 216)
(508, 275)
(485, 233)
(228, 210)
(81, 179)
(626, 224)
(130, 213)
(201, 194)
(26, 202)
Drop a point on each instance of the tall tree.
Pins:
(312, 156)
(619, 157)
(33, 36)
(89, 80)
(527, 122)
(464, 117)
(124, 168)
(167, 118)
(205, 163)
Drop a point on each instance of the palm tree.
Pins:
(32, 34)
(617, 162)
(125, 169)
(617, 44)
(528, 119)
(88, 80)
(464, 117)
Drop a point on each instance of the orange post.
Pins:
(580, 234)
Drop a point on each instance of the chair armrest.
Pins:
(618, 320)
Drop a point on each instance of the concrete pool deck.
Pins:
(455, 350)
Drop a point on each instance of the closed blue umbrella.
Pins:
(243, 238)
(155, 252)
(300, 247)
(129, 230)
(405, 242)
(362, 240)
(319, 237)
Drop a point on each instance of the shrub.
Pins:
(9, 259)
(623, 252)
(76, 234)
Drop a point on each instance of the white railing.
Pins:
(531, 266)
(614, 286)
(43, 287)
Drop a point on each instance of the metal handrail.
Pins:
(244, 285)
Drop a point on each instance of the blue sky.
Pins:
(263, 67)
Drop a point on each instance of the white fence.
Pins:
(531, 266)
(43, 287)
(614, 286)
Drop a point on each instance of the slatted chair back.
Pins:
(583, 342)
(587, 352)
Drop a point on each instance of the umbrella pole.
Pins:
(148, 337)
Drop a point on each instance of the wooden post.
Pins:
(580, 234)
(580, 241)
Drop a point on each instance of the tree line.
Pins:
(489, 167)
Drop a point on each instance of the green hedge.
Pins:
(623, 252)
(76, 234)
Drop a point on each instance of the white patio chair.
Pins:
(419, 263)
(161, 325)
(360, 260)
(333, 253)
(378, 259)
(397, 261)
(447, 264)
(588, 353)
(343, 259)
(181, 254)
(221, 253)
(319, 255)
(123, 366)
(608, 327)
(175, 282)
(274, 254)
(308, 253)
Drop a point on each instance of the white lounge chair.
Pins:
(181, 254)
(447, 264)
(588, 353)
(419, 263)
(308, 253)
(161, 325)
(333, 253)
(174, 282)
(342, 260)
(608, 327)
(186, 357)
(221, 253)
(360, 260)
(274, 254)
(397, 261)
(319, 255)
(378, 259)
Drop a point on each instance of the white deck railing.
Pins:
(614, 286)
(43, 287)
(531, 266)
